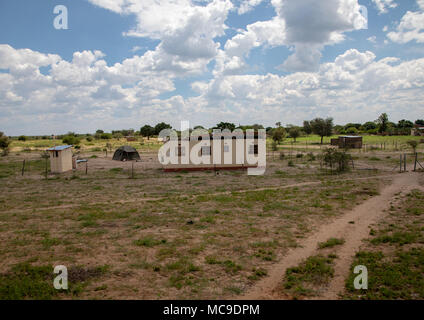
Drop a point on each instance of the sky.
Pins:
(120, 64)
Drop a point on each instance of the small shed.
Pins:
(350, 142)
(60, 158)
(126, 153)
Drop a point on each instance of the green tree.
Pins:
(405, 124)
(420, 122)
(383, 122)
(147, 131)
(322, 127)
(225, 125)
(22, 138)
(307, 127)
(278, 134)
(370, 125)
(161, 126)
(294, 133)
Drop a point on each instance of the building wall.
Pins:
(228, 149)
(61, 161)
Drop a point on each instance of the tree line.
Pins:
(319, 126)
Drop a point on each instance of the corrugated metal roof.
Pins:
(59, 148)
(350, 137)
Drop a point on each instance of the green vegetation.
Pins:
(305, 279)
(394, 255)
(332, 242)
(26, 281)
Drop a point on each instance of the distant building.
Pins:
(60, 159)
(417, 131)
(349, 142)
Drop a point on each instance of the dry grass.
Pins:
(167, 235)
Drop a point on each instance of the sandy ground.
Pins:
(363, 217)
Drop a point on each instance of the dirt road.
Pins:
(352, 226)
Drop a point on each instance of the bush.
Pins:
(351, 130)
(4, 143)
(106, 136)
(71, 140)
(334, 158)
(311, 156)
(22, 138)
(89, 139)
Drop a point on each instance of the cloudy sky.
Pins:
(126, 63)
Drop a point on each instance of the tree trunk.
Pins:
(322, 139)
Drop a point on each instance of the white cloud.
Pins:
(187, 29)
(372, 39)
(310, 25)
(85, 94)
(383, 6)
(248, 5)
(411, 27)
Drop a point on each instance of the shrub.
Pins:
(4, 143)
(22, 138)
(311, 156)
(351, 130)
(71, 140)
(334, 158)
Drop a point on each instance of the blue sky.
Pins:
(124, 63)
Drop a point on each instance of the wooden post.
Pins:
(23, 167)
(404, 162)
(86, 167)
(416, 159)
(400, 164)
(46, 168)
(132, 169)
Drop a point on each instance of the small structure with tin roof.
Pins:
(60, 159)
(349, 142)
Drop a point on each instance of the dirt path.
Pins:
(363, 216)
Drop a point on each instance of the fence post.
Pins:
(416, 159)
(404, 162)
(400, 164)
(23, 167)
(86, 167)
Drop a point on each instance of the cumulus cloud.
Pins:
(355, 86)
(309, 25)
(411, 27)
(186, 29)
